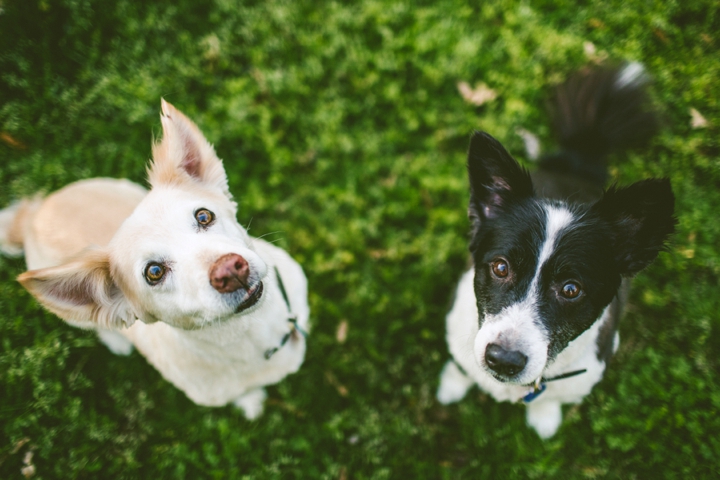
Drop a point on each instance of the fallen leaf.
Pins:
(592, 54)
(7, 138)
(342, 331)
(698, 121)
(478, 96)
(19, 445)
(589, 49)
(341, 389)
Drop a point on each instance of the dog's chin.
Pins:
(254, 294)
(523, 378)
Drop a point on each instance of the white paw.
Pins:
(544, 417)
(453, 384)
(252, 403)
(116, 342)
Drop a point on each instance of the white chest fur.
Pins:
(462, 328)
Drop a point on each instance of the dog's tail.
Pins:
(13, 225)
(598, 111)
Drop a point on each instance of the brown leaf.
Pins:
(7, 138)
(697, 121)
(342, 331)
(479, 95)
(341, 389)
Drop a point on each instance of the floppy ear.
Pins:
(641, 219)
(496, 179)
(184, 154)
(81, 292)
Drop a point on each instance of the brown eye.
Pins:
(500, 268)
(570, 290)
(204, 217)
(154, 272)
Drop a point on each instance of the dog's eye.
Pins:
(570, 290)
(154, 272)
(500, 268)
(204, 217)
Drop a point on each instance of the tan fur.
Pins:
(89, 244)
(85, 213)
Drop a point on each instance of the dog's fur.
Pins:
(89, 244)
(511, 322)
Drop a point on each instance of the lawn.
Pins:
(344, 137)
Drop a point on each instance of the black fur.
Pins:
(615, 237)
(594, 116)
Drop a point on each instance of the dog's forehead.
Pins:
(168, 205)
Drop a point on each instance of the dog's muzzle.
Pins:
(254, 294)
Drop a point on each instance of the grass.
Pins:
(344, 134)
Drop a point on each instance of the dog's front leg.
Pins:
(116, 342)
(545, 417)
(252, 403)
(454, 384)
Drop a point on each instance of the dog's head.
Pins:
(181, 257)
(546, 270)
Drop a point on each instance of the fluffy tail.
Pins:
(13, 224)
(598, 111)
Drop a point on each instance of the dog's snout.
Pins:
(504, 362)
(229, 273)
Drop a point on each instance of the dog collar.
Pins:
(292, 319)
(540, 384)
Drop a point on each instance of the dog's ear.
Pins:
(184, 154)
(496, 179)
(641, 219)
(81, 292)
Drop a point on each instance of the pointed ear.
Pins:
(641, 219)
(81, 292)
(184, 154)
(496, 179)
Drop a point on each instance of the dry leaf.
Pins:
(342, 331)
(698, 121)
(589, 49)
(480, 95)
(7, 138)
(28, 471)
(341, 389)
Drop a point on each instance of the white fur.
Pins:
(632, 74)
(467, 345)
(188, 330)
(517, 327)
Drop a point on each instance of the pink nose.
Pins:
(229, 273)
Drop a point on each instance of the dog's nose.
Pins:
(229, 273)
(504, 362)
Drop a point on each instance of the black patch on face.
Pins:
(515, 235)
(582, 254)
(617, 236)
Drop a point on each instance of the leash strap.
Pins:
(540, 386)
(292, 318)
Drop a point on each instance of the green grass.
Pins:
(342, 131)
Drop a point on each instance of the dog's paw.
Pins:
(453, 384)
(544, 417)
(115, 341)
(252, 403)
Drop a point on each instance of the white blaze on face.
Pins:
(163, 229)
(517, 327)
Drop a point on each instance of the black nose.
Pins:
(504, 362)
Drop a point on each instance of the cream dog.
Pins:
(221, 314)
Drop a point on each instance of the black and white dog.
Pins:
(536, 319)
